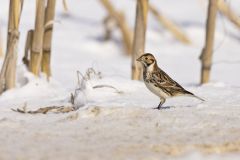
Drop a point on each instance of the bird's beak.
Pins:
(139, 59)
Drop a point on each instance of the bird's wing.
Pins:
(166, 83)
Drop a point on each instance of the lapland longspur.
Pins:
(158, 82)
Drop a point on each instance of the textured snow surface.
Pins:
(122, 124)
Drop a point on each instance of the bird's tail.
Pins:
(193, 95)
(198, 98)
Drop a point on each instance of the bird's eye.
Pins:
(146, 58)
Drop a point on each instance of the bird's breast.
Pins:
(156, 90)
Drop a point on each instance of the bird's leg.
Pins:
(162, 100)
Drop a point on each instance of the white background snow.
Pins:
(110, 125)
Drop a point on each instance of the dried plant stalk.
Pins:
(172, 27)
(121, 23)
(28, 46)
(8, 71)
(47, 40)
(65, 6)
(206, 56)
(109, 24)
(228, 12)
(37, 43)
(1, 43)
(1, 47)
(139, 37)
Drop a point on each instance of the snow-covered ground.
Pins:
(122, 124)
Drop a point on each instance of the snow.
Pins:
(121, 124)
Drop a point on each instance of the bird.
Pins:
(159, 82)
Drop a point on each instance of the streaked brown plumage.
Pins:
(159, 82)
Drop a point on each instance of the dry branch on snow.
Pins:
(74, 105)
(45, 110)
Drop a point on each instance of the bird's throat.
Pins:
(151, 67)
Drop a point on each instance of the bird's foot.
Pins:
(162, 108)
(158, 107)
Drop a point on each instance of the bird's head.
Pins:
(147, 59)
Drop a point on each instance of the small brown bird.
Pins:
(158, 82)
